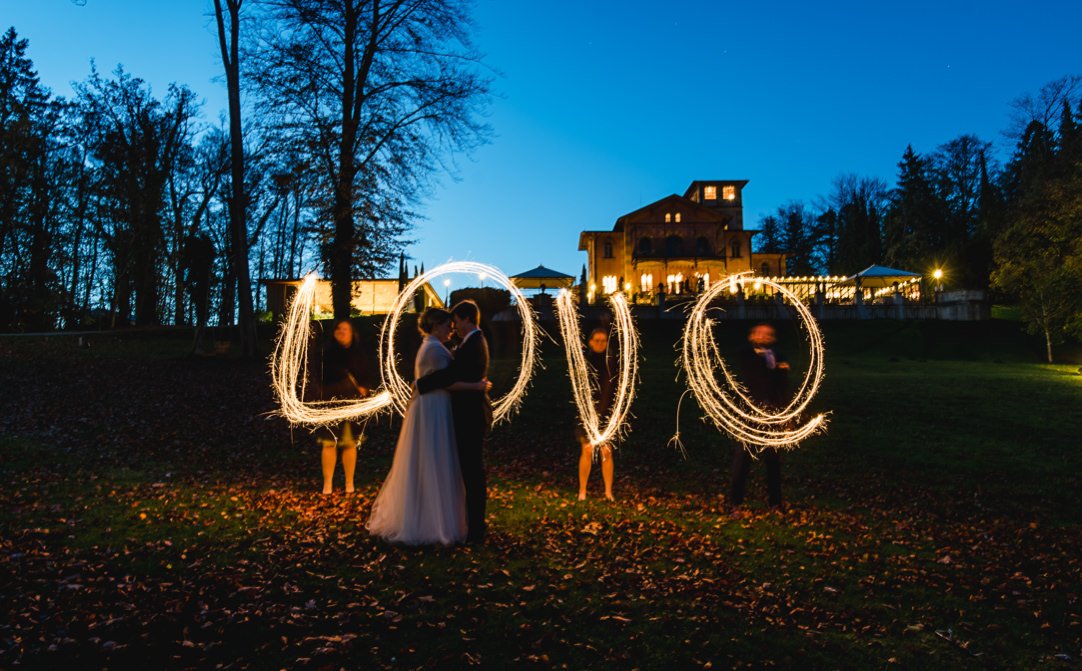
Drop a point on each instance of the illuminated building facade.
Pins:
(676, 245)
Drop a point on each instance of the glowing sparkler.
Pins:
(628, 341)
(729, 406)
(400, 390)
(289, 371)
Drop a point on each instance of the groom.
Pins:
(472, 410)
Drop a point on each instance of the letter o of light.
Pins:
(730, 408)
(400, 390)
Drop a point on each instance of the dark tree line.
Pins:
(1015, 229)
(119, 207)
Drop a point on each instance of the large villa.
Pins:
(677, 245)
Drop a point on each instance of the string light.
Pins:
(400, 391)
(627, 339)
(729, 406)
(289, 371)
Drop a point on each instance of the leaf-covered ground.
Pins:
(152, 514)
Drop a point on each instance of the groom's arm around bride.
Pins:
(472, 409)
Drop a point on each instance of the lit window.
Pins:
(710, 193)
(678, 217)
(668, 217)
(609, 284)
(646, 282)
(728, 192)
(706, 280)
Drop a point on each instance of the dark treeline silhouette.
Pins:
(1014, 229)
(120, 207)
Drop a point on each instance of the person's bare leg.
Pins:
(349, 455)
(607, 469)
(330, 451)
(349, 464)
(585, 460)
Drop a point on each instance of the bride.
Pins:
(423, 500)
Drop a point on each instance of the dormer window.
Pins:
(728, 192)
(710, 193)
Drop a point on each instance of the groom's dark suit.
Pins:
(472, 412)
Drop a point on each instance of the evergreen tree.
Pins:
(1038, 254)
(769, 238)
(916, 217)
(957, 168)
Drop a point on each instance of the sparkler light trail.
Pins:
(729, 406)
(289, 367)
(400, 390)
(628, 341)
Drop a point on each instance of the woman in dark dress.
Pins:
(343, 374)
(604, 371)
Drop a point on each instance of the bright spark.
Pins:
(729, 406)
(628, 343)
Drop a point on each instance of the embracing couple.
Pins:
(436, 492)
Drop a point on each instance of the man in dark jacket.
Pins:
(763, 371)
(472, 410)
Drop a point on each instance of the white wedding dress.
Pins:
(423, 500)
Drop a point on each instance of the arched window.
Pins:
(673, 247)
(608, 249)
(646, 246)
(702, 247)
(736, 249)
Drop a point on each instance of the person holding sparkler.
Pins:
(604, 370)
(763, 371)
(343, 374)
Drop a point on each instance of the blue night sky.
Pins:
(606, 106)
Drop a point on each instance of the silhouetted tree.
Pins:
(1038, 255)
(374, 93)
(228, 20)
(916, 220)
(136, 141)
(860, 203)
(769, 238)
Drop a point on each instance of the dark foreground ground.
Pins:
(153, 515)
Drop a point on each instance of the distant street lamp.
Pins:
(938, 275)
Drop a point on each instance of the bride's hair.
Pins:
(431, 318)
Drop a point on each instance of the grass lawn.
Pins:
(153, 513)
